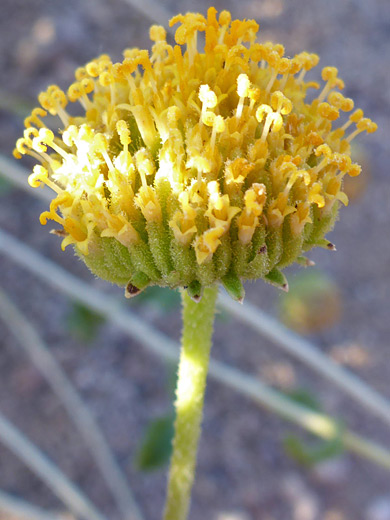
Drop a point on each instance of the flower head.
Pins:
(187, 168)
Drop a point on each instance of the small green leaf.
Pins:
(156, 445)
(138, 282)
(234, 287)
(5, 186)
(83, 323)
(304, 262)
(324, 243)
(305, 398)
(309, 455)
(277, 278)
(195, 290)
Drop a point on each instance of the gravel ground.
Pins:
(243, 472)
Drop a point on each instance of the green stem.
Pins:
(198, 319)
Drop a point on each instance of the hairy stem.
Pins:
(198, 321)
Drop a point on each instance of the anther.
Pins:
(208, 99)
(243, 85)
(364, 125)
(145, 165)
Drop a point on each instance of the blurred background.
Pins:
(252, 464)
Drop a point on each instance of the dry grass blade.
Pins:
(153, 11)
(20, 509)
(47, 365)
(44, 468)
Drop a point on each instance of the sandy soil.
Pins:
(243, 470)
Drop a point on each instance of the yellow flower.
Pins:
(183, 164)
